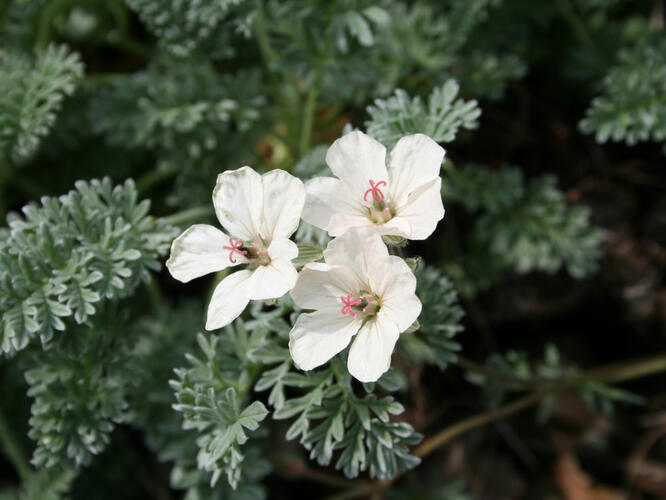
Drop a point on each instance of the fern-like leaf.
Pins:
(440, 119)
(633, 106)
(62, 257)
(31, 94)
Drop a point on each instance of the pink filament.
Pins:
(377, 195)
(348, 303)
(235, 247)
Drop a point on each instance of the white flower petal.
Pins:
(284, 197)
(341, 223)
(415, 160)
(317, 337)
(229, 299)
(326, 196)
(320, 286)
(199, 251)
(363, 252)
(370, 354)
(283, 248)
(273, 280)
(423, 210)
(356, 158)
(395, 227)
(399, 303)
(238, 199)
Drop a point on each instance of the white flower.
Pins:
(404, 200)
(260, 212)
(361, 290)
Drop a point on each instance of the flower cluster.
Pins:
(360, 290)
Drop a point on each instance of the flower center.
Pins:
(366, 305)
(377, 195)
(348, 304)
(236, 246)
(379, 211)
(256, 254)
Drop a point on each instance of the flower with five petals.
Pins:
(260, 213)
(402, 200)
(359, 291)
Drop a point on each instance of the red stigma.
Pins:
(377, 195)
(236, 246)
(348, 303)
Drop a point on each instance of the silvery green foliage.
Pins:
(489, 73)
(440, 118)
(445, 40)
(183, 25)
(632, 107)
(78, 386)
(161, 339)
(439, 322)
(332, 46)
(313, 164)
(328, 416)
(212, 396)
(480, 188)
(347, 21)
(191, 101)
(31, 94)
(179, 109)
(60, 259)
(517, 368)
(540, 231)
(526, 225)
(43, 485)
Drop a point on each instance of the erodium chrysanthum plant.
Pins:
(360, 291)
(321, 327)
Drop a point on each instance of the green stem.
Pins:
(577, 26)
(506, 378)
(13, 450)
(624, 370)
(155, 176)
(121, 41)
(269, 55)
(616, 372)
(189, 215)
(308, 116)
(444, 436)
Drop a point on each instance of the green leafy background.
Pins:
(116, 117)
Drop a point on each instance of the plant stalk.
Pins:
(308, 117)
(189, 215)
(615, 372)
(13, 450)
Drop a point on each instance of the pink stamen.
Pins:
(236, 246)
(377, 195)
(348, 303)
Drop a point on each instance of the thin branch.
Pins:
(577, 26)
(506, 378)
(444, 436)
(189, 215)
(308, 116)
(156, 176)
(616, 372)
(13, 449)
